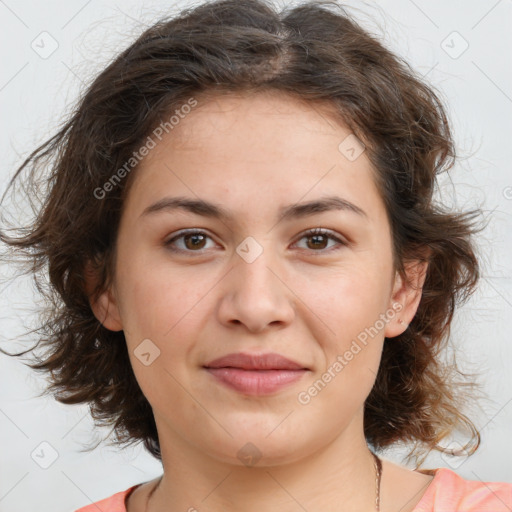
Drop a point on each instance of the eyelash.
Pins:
(309, 233)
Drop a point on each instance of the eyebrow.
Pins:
(293, 211)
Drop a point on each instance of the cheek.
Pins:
(154, 294)
(346, 300)
(167, 311)
(169, 307)
(347, 326)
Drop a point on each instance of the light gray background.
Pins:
(34, 95)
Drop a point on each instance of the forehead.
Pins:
(280, 131)
(264, 149)
(249, 111)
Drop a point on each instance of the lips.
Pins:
(255, 374)
(269, 361)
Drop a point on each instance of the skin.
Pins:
(252, 154)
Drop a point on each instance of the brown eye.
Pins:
(318, 239)
(189, 241)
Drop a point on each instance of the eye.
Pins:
(319, 237)
(192, 241)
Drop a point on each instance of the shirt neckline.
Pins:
(425, 498)
(428, 493)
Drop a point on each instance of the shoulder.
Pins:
(114, 503)
(448, 491)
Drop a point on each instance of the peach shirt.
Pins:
(447, 492)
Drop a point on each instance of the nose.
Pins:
(256, 295)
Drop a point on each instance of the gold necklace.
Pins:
(378, 475)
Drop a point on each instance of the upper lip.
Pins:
(269, 361)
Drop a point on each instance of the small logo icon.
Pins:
(454, 45)
(351, 147)
(249, 249)
(249, 454)
(44, 45)
(146, 352)
(44, 455)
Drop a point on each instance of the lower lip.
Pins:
(256, 382)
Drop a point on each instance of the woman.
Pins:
(255, 280)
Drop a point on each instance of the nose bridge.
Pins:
(256, 296)
(253, 275)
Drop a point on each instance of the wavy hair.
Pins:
(314, 52)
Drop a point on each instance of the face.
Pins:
(192, 285)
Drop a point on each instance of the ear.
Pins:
(104, 306)
(406, 296)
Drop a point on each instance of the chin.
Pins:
(256, 448)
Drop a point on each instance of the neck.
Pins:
(342, 471)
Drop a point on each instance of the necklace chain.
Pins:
(378, 475)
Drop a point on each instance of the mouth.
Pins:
(256, 374)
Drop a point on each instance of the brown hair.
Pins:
(316, 53)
